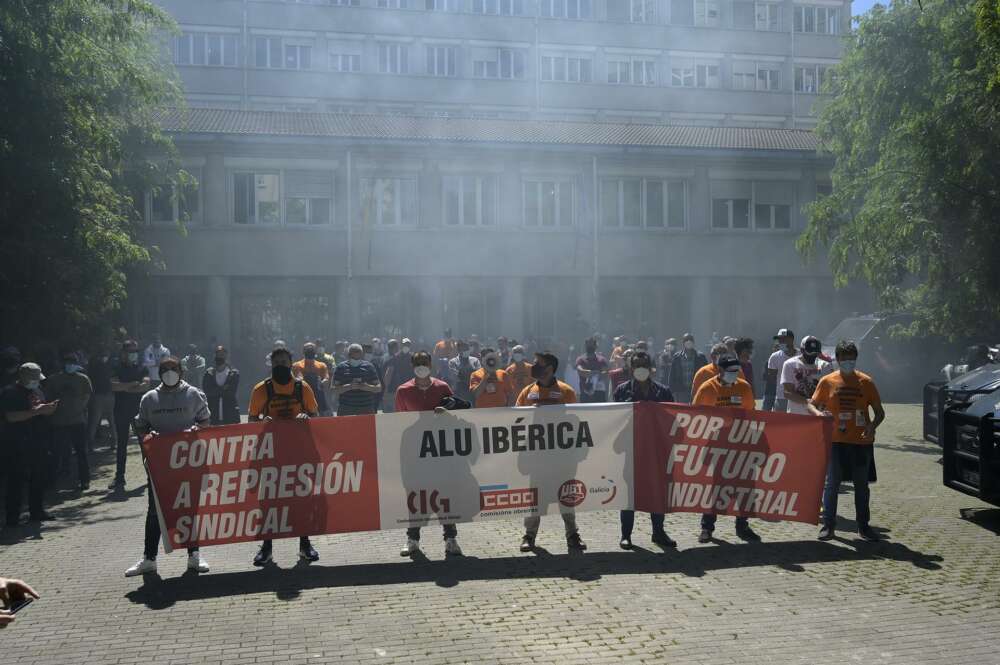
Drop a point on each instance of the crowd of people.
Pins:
(50, 420)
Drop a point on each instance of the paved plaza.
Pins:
(930, 593)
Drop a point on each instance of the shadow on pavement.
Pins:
(287, 584)
(987, 518)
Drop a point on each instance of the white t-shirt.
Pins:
(804, 377)
(775, 362)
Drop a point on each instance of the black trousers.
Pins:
(123, 430)
(152, 545)
(24, 461)
(67, 438)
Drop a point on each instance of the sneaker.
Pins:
(411, 547)
(826, 532)
(308, 552)
(143, 566)
(747, 534)
(625, 543)
(263, 556)
(575, 542)
(197, 563)
(117, 485)
(867, 533)
(451, 547)
(663, 540)
(528, 542)
(705, 536)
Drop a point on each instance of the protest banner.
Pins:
(280, 479)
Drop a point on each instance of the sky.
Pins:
(859, 7)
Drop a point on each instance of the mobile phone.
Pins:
(20, 604)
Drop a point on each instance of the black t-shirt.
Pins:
(125, 373)
(18, 398)
(100, 375)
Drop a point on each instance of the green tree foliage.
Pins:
(915, 207)
(80, 85)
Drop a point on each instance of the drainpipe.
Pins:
(350, 217)
(595, 292)
(245, 102)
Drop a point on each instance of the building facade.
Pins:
(343, 193)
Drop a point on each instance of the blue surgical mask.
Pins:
(71, 368)
(354, 362)
(848, 365)
(730, 378)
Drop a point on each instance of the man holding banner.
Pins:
(547, 391)
(173, 406)
(283, 396)
(725, 389)
(642, 388)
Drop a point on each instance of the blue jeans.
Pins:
(853, 460)
(628, 521)
(780, 406)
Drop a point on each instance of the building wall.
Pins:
(241, 83)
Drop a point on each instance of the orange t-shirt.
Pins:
(715, 393)
(310, 366)
(496, 393)
(445, 349)
(283, 404)
(848, 399)
(520, 375)
(536, 395)
(704, 373)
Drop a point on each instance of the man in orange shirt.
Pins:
(315, 373)
(519, 369)
(444, 350)
(726, 389)
(491, 386)
(711, 369)
(547, 390)
(849, 396)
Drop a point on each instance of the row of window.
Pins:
(745, 15)
(305, 198)
(498, 63)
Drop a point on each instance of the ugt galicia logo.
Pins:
(572, 493)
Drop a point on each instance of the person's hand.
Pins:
(12, 591)
(302, 416)
(44, 409)
(869, 432)
(440, 409)
(193, 428)
(268, 419)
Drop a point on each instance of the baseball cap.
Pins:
(784, 332)
(31, 372)
(728, 362)
(406, 340)
(811, 344)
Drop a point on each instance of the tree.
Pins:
(913, 127)
(80, 85)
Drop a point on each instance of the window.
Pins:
(203, 48)
(768, 76)
(565, 68)
(748, 75)
(442, 5)
(298, 56)
(744, 15)
(346, 3)
(638, 71)
(345, 62)
(643, 11)
(810, 78)
(652, 203)
(389, 201)
(548, 203)
(693, 74)
(441, 60)
(576, 9)
(504, 63)
(256, 198)
(819, 20)
(706, 12)
(730, 213)
(267, 52)
(682, 12)
(308, 197)
(768, 16)
(498, 7)
(171, 203)
(392, 58)
(392, 4)
(772, 216)
(470, 200)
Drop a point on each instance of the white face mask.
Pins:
(640, 374)
(422, 371)
(518, 357)
(669, 348)
(31, 385)
(729, 378)
(848, 366)
(170, 378)
(406, 349)
(354, 362)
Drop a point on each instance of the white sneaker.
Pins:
(412, 547)
(197, 563)
(451, 547)
(142, 567)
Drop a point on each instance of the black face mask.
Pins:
(591, 350)
(281, 374)
(309, 354)
(810, 358)
(537, 371)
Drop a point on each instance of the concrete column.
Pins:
(219, 306)
(432, 311)
(349, 307)
(213, 187)
(512, 308)
(701, 315)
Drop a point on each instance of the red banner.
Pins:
(729, 462)
(265, 480)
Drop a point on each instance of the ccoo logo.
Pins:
(572, 493)
(426, 502)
